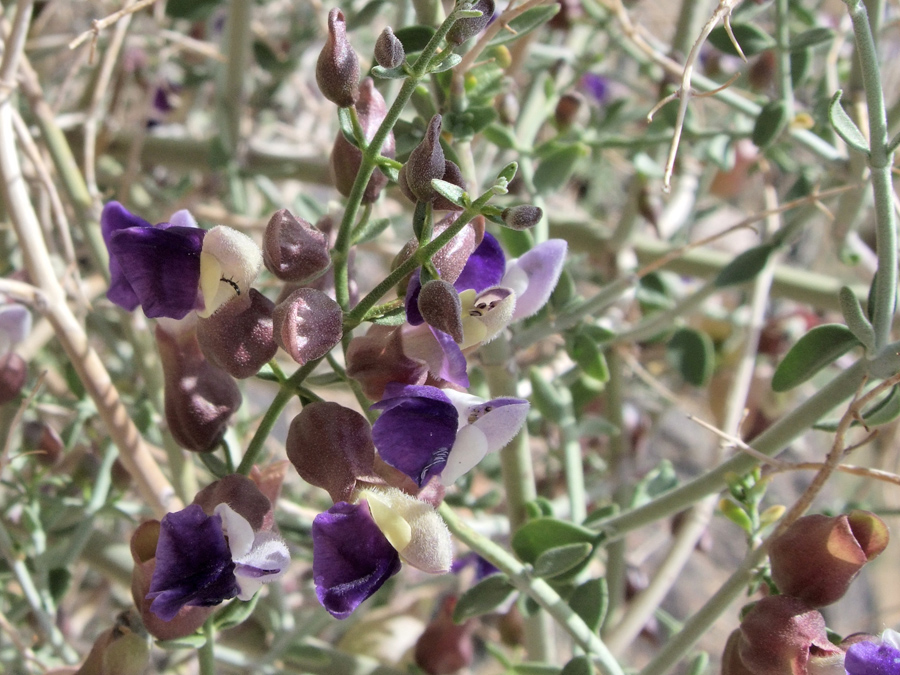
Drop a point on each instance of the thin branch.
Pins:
(99, 24)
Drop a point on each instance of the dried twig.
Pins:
(99, 24)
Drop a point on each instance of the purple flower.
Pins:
(870, 658)
(424, 431)
(351, 557)
(596, 86)
(203, 560)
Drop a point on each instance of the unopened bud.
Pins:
(337, 70)
(294, 250)
(440, 307)
(425, 163)
(308, 324)
(818, 556)
(13, 373)
(569, 11)
(346, 158)
(464, 29)
(445, 647)
(43, 440)
(239, 339)
(522, 217)
(199, 398)
(567, 110)
(389, 51)
(121, 650)
(331, 447)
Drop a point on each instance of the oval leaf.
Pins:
(745, 267)
(811, 38)
(590, 601)
(692, 353)
(559, 560)
(772, 120)
(815, 350)
(555, 169)
(752, 40)
(526, 22)
(483, 597)
(579, 665)
(543, 534)
(585, 352)
(844, 126)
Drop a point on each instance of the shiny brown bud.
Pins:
(308, 324)
(331, 447)
(294, 250)
(781, 635)
(818, 556)
(337, 70)
(239, 339)
(199, 398)
(440, 307)
(143, 552)
(522, 217)
(389, 51)
(346, 158)
(13, 373)
(241, 494)
(426, 163)
(465, 29)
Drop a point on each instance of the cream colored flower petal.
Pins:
(235, 259)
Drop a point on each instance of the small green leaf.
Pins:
(578, 665)
(364, 16)
(450, 191)
(772, 120)
(526, 22)
(885, 410)
(554, 171)
(658, 480)
(371, 230)
(752, 40)
(216, 466)
(590, 601)
(856, 318)
(844, 126)
(815, 350)
(811, 38)
(545, 397)
(450, 62)
(699, 664)
(543, 534)
(736, 515)
(414, 38)
(745, 266)
(395, 317)
(187, 642)
(483, 597)
(345, 122)
(585, 352)
(235, 613)
(508, 172)
(556, 561)
(500, 135)
(602, 512)
(801, 65)
(397, 73)
(692, 353)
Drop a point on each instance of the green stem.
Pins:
(206, 655)
(538, 589)
(783, 55)
(234, 74)
(880, 162)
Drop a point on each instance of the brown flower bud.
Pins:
(377, 358)
(199, 398)
(294, 250)
(567, 110)
(143, 552)
(389, 51)
(569, 12)
(239, 339)
(121, 650)
(731, 656)
(331, 447)
(13, 373)
(241, 494)
(445, 647)
(522, 217)
(337, 70)
(308, 324)
(346, 158)
(440, 307)
(781, 635)
(818, 557)
(43, 440)
(464, 29)
(426, 163)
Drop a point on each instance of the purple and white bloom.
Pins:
(424, 431)
(874, 658)
(173, 268)
(15, 325)
(203, 560)
(358, 546)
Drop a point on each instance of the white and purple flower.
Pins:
(879, 657)
(424, 431)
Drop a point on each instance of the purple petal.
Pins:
(415, 433)
(453, 363)
(351, 557)
(193, 564)
(396, 393)
(413, 315)
(116, 217)
(867, 658)
(161, 266)
(484, 268)
(597, 86)
(533, 276)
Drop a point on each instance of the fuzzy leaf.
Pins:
(483, 597)
(815, 350)
(693, 354)
(559, 560)
(543, 534)
(590, 601)
(811, 38)
(745, 266)
(772, 120)
(844, 126)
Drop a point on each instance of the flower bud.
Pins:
(818, 557)
(426, 163)
(43, 440)
(308, 324)
(239, 339)
(569, 12)
(120, 650)
(294, 250)
(731, 656)
(440, 307)
(567, 110)
(522, 217)
(389, 51)
(445, 646)
(13, 373)
(464, 29)
(780, 635)
(346, 158)
(143, 552)
(377, 359)
(337, 70)
(199, 398)
(241, 494)
(331, 447)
